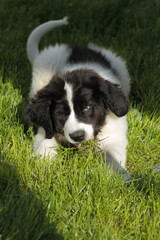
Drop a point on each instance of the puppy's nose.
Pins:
(77, 136)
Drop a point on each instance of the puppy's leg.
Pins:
(115, 148)
(44, 147)
(116, 159)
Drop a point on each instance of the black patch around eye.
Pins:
(60, 113)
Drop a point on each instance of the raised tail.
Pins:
(36, 35)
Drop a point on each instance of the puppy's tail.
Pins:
(36, 35)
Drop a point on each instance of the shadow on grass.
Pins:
(22, 215)
(148, 185)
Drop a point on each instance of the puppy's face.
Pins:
(74, 106)
(80, 113)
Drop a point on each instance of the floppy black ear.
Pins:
(115, 99)
(38, 114)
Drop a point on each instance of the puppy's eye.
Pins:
(87, 108)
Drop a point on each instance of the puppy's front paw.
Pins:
(46, 148)
(126, 176)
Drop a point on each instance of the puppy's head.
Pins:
(75, 105)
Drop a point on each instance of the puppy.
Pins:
(78, 94)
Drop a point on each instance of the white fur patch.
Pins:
(46, 65)
(113, 138)
(72, 124)
(45, 147)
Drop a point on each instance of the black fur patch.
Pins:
(38, 112)
(88, 55)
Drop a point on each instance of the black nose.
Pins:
(77, 136)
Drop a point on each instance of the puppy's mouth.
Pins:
(79, 144)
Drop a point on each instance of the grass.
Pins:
(75, 197)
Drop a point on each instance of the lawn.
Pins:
(74, 197)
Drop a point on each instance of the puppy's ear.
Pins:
(38, 114)
(114, 98)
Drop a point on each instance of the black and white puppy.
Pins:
(78, 94)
